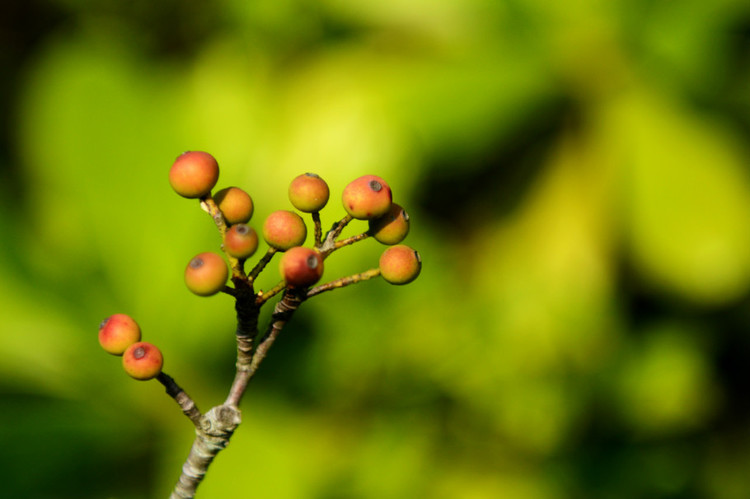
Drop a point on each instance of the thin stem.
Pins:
(318, 229)
(263, 297)
(183, 399)
(261, 264)
(282, 312)
(344, 281)
(328, 245)
(349, 240)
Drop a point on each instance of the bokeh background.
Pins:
(578, 178)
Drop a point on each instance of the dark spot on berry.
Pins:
(313, 175)
(417, 256)
(242, 229)
(375, 185)
(196, 263)
(312, 261)
(139, 353)
(103, 323)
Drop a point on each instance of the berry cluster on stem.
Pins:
(193, 175)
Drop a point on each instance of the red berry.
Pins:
(308, 193)
(206, 274)
(392, 227)
(400, 264)
(117, 332)
(284, 229)
(367, 197)
(241, 241)
(142, 361)
(235, 204)
(194, 174)
(301, 267)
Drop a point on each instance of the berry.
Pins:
(284, 229)
(367, 197)
(392, 227)
(206, 274)
(142, 361)
(235, 204)
(241, 241)
(117, 332)
(301, 267)
(308, 193)
(194, 174)
(400, 264)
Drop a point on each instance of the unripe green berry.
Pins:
(241, 241)
(206, 274)
(235, 204)
(367, 197)
(284, 229)
(301, 267)
(308, 193)
(117, 332)
(400, 264)
(392, 227)
(194, 174)
(142, 361)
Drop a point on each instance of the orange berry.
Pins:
(400, 264)
(284, 229)
(117, 332)
(194, 174)
(241, 241)
(301, 267)
(206, 274)
(142, 361)
(235, 204)
(392, 227)
(367, 197)
(308, 193)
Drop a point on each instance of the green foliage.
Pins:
(577, 172)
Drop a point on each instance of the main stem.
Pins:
(216, 427)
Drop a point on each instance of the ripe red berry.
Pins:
(400, 264)
(392, 227)
(241, 241)
(235, 204)
(206, 274)
(117, 332)
(194, 174)
(142, 361)
(308, 193)
(301, 267)
(367, 197)
(284, 229)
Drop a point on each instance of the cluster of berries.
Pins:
(194, 174)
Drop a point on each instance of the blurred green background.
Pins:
(578, 178)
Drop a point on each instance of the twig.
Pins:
(344, 281)
(183, 399)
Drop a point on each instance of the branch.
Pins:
(183, 399)
(211, 436)
(344, 281)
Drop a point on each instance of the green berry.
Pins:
(392, 227)
(117, 332)
(301, 267)
(367, 197)
(400, 264)
(308, 193)
(241, 241)
(284, 229)
(206, 274)
(235, 204)
(142, 361)
(194, 174)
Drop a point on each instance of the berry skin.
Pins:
(142, 361)
(284, 229)
(117, 332)
(367, 197)
(241, 241)
(301, 267)
(308, 193)
(392, 227)
(194, 174)
(235, 204)
(206, 274)
(400, 264)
